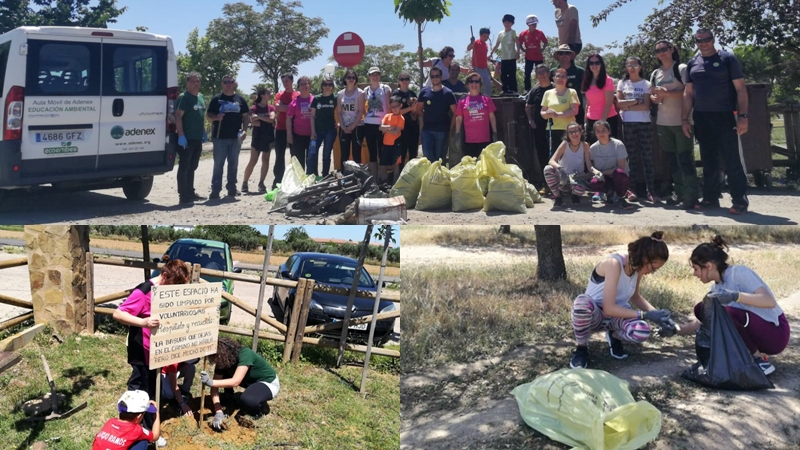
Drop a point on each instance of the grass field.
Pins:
(318, 407)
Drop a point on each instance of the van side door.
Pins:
(134, 102)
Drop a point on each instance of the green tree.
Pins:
(76, 13)
(420, 12)
(275, 40)
(205, 58)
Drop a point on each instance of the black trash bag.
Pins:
(723, 360)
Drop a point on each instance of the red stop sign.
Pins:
(348, 49)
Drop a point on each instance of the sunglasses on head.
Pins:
(703, 40)
(663, 49)
(404, 79)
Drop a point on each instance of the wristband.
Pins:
(639, 315)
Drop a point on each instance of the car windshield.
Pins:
(334, 272)
(208, 257)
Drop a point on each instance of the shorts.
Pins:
(390, 153)
(261, 138)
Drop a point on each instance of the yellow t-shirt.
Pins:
(560, 103)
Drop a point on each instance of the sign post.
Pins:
(348, 49)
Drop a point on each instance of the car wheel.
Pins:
(138, 189)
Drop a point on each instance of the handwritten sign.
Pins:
(188, 317)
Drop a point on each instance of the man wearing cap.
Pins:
(126, 432)
(569, 31)
(566, 60)
(715, 88)
(533, 41)
(480, 59)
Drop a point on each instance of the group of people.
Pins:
(592, 134)
(613, 302)
(138, 423)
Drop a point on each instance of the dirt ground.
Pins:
(468, 405)
(109, 206)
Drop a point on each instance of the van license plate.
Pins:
(59, 136)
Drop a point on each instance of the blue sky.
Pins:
(348, 232)
(376, 23)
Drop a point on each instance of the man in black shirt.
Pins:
(533, 109)
(231, 117)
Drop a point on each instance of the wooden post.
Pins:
(202, 395)
(352, 297)
(145, 250)
(290, 332)
(263, 287)
(387, 238)
(195, 271)
(301, 321)
(90, 292)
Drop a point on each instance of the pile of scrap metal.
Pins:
(332, 194)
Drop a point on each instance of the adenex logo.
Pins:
(117, 132)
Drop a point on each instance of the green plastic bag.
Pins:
(270, 195)
(587, 408)
(435, 192)
(467, 193)
(410, 180)
(506, 193)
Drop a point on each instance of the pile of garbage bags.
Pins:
(488, 183)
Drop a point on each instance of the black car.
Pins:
(332, 270)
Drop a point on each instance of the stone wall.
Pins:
(57, 265)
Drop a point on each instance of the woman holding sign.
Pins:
(236, 365)
(135, 313)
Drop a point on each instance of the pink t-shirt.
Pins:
(300, 109)
(596, 100)
(138, 304)
(475, 111)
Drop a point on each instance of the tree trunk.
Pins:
(548, 250)
(419, 55)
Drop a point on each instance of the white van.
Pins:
(86, 108)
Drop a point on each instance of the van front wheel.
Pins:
(138, 189)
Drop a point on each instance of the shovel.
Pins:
(54, 400)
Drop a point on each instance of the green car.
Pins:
(213, 255)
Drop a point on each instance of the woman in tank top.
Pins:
(613, 291)
(350, 110)
(571, 158)
(376, 96)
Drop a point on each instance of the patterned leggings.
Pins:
(588, 317)
(551, 178)
(639, 143)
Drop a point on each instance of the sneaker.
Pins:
(631, 196)
(261, 188)
(580, 358)
(609, 199)
(213, 196)
(709, 204)
(161, 442)
(245, 188)
(197, 197)
(558, 202)
(764, 364)
(653, 198)
(624, 204)
(576, 199)
(185, 200)
(673, 200)
(738, 209)
(615, 346)
(597, 197)
(233, 193)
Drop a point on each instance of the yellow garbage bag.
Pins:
(534, 193)
(293, 181)
(589, 409)
(506, 193)
(467, 193)
(410, 180)
(435, 192)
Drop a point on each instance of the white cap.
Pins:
(135, 402)
(532, 19)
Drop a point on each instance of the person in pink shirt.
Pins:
(533, 41)
(298, 121)
(476, 112)
(135, 313)
(599, 90)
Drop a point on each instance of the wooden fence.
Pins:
(9, 346)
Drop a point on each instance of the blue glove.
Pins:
(724, 297)
(657, 315)
(182, 141)
(216, 422)
(205, 379)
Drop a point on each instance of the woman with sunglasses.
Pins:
(571, 158)
(323, 128)
(446, 56)
(262, 117)
(377, 98)
(409, 137)
(561, 106)
(633, 95)
(298, 121)
(350, 111)
(598, 88)
(613, 292)
(476, 112)
(666, 90)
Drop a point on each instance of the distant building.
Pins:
(343, 241)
